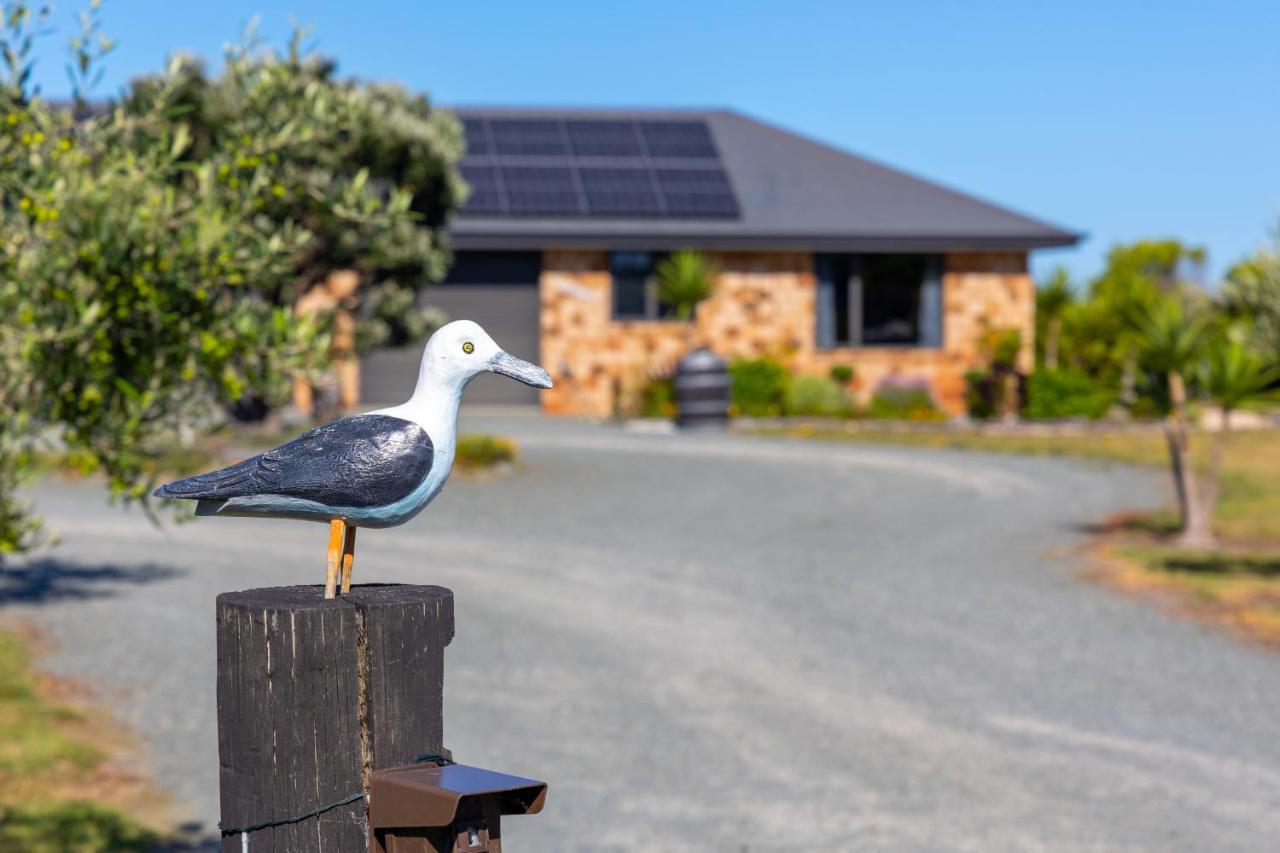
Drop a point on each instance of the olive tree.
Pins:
(367, 170)
(150, 254)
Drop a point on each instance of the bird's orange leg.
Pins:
(348, 557)
(337, 534)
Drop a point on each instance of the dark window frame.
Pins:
(654, 311)
(842, 309)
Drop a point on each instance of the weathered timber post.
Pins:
(313, 696)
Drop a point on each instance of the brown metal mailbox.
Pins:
(423, 808)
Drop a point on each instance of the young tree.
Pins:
(685, 278)
(1233, 376)
(1170, 341)
(366, 171)
(1052, 299)
(147, 266)
(1097, 335)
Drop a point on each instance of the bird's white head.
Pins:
(460, 351)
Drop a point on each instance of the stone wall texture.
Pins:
(763, 305)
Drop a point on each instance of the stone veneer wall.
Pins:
(763, 305)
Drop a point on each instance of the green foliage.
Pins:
(994, 387)
(1252, 294)
(17, 42)
(365, 171)
(1053, 297)
(758, 386)
(1097, 335)
(1165, 265)
(1001, 347)
(981, 398)
(127, 285)
(842, 373)
(903, 400)
(480, 450)
(658, 399)
(1054, 294)
(18, 530)
(685, 278)
(1065, 393)
(817, 396)
(77, 826)
(394, 319)
(1233, 376)
(1170, 337)
(152, 252)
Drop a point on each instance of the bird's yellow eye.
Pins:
(468, 347)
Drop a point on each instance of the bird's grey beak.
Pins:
(529, 374)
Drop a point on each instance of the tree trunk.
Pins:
(1199, 531)
(1129, 379)
(1196, 530)
(1177, 469)
(1052, 331)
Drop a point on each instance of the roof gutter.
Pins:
(516, 241)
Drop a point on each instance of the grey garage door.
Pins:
(498, 290)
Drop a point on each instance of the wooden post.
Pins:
(314, 695)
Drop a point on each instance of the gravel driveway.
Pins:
(734, 644)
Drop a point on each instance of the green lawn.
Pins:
(56, 791)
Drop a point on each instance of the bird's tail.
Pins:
(233, 481)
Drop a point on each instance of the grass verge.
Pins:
(1236, 586)
(475, 452)
(58, 788)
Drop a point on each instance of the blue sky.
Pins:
(1122, 120)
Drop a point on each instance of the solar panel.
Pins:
(603, 138)
(666, 139)
(598, 167)
(518, 136)
(486, 194)
(619, 192)
(477, 136)
(697, 192)
(546, 190)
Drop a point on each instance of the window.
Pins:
(635, 289)
(879, 300)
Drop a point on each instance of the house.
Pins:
(824, 257)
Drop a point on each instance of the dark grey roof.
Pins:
(792, 193)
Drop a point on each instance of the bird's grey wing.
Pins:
(360, 461)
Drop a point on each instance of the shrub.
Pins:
(658, 399)
(816, 395)
(479, 450)
(77, 825)
(758, 386)
(904, 400)
(981, 398)
(842, 373)
(1065, 394)
(1001, 346)
(393, 318)
(685, 279)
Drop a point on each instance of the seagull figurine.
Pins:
(373, 470)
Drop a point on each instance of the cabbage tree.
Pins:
(1233, 376)
(1171, 340)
